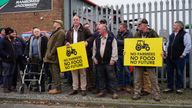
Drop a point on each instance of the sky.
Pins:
(119, 2)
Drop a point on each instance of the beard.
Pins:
(11, 37)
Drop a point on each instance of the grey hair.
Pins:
(181, 24)
(124, 25)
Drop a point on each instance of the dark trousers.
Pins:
(8, 70)
(90, 75)
(48, 75)
(68, 77)
(106, 76)
(178, 65)
(96, 77)
(1, 69)
(123, 73)
(19, 66)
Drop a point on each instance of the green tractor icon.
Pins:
(142, 45)
(70, 51)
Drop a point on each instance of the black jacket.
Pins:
(120, 40)
(176, 45)
(83, 35)
(7, 51)
(108, 50)
(42, 45)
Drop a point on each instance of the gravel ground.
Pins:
(30, 97)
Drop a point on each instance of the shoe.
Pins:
(168, 90)
(115, 96)
(120, 88)
(128, 90)
(136, 97)
(179, 91)
(157, 98)
(83, 93)
(74, 92)
(144, 93)
(100, 94)
(54, 91)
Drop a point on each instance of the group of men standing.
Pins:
(11, 52)
(105, 54)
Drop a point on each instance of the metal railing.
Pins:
(160, 15)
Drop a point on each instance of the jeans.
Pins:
(19, 66)
(178, 65)
(106, 77)
(68, 77)
(123, 73)
(8, 70)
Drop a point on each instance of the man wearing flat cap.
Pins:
(56, 40)
(145, 32)
(8, 55)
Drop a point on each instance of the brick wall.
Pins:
(25, 21)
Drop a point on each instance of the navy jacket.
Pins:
(19, 46)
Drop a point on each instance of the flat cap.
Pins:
(144, 21)
(59, 21)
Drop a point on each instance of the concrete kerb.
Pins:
(116, 104)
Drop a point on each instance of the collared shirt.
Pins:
(75, 34)
(114, 55)
(103, 44)
(187, 44)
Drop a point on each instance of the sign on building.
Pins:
(73, 57)
(143, 52)
(9, 6)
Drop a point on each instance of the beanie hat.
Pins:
(8, 31)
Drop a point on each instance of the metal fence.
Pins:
(161, 16)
